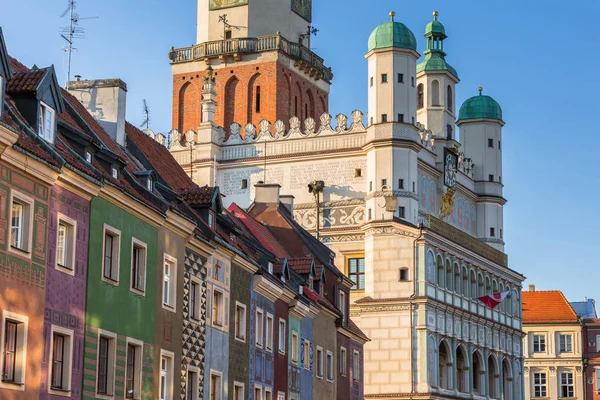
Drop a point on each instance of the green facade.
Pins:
(115, 308)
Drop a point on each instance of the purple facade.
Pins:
(65, 292)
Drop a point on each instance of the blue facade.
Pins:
(306, 375)
(217, 325)
(261, 358)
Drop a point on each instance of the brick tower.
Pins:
(263, 66)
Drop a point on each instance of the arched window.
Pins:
(449, 100)
(449, 132)
(441, 273)
(492, 378)
(188, 100)
(494, 286)
(310, 105)
(231, 89)
(255, 98)
(506, 380)
(457, 279)
(435, 93)
(477, 372)
(473, 285)
(420, 95)
(465, 284)
(461, 370)
(444, 366)
(449, 276)
(488, 286)
(480, 286)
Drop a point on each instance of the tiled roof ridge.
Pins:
(17, 65)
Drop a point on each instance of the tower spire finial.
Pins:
(435, 15)
(480, 90)
(392, 14)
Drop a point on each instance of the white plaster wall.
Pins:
(257, 18)
(437, 117)
(474, 137)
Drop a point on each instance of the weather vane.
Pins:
(310, 31)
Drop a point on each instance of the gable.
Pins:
(48, 91)
(5, 69)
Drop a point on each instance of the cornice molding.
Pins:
(77, 184)
(266, 288)
(298, 309)
(121, 200)
(30, 165)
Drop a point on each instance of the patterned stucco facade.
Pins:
(65, 293)
(239, 348)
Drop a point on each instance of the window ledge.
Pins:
(110, 281)
(60, 392)
(168, 307)
(12, 385)
(281, 351)
(23, 252)
(240, 339)
(65, 269)
(137, 291)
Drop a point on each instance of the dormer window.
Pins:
(115, 173)
(46, 122)
(210, 219)
(88, 156)
(270, 267)
(149, 184)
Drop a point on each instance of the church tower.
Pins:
(480, 122)
(392, 165)
(262, 64)
(436, 80)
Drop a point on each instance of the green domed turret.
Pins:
(478, 107)
(392, 34)
(434, 55)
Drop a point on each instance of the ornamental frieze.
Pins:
(331, 217)
(389, 231)
(381, 308)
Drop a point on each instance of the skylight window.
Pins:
(115, 173)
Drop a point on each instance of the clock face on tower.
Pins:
(216, 4)
(303, 8)
(450, 168)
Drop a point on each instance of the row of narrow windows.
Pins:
(435, 95)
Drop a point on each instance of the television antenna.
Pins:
(147, 115)
(72, 32)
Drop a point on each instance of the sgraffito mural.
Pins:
(303, 8)
(216, 4)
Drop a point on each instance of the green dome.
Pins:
(434, 61)
(392, 34)
(478, 107)
(435, 26)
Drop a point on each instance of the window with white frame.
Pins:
(258, 392)
(216, 385)
(61, 352)
(268, 394)
(329, 363)
(539, 343)
(319, 362)
(21, 222)
(356, 366)
(46, 118)
(270, 267)
(88, 156)
(565, 343)
(280, 396)
(240, 321)
(191, 391)
(169, 287)
(540, 384)
(138, 265)
(343, 361)
(166, 375)
(238, 391)
(111, 255)
(306, 353)
(598, 343)
(133, 370)
(105, 374)
(218, 304)
(66, 234)
(259, 327)
(149, 185)
(194, 298)
(294, 349)
(597, 374)
(115, 173)
(269, 332)
(342, 304)
(282, 336)
(567, 388)
(14, 348)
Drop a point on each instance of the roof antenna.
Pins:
(72, 32)
(147, 114)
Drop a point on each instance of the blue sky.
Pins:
(538, 59)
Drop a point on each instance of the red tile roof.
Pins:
(547, 307)
(174, 176)
(17, 66)
(352, 327)
(301, 265)
(260, 232)
(198, 195)
(25, 81)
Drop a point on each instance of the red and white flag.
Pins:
(492, 300)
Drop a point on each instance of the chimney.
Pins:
(532, 288)
(288, 202)
(105, 101)
(267, 193)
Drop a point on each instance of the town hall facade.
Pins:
(414, 214)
